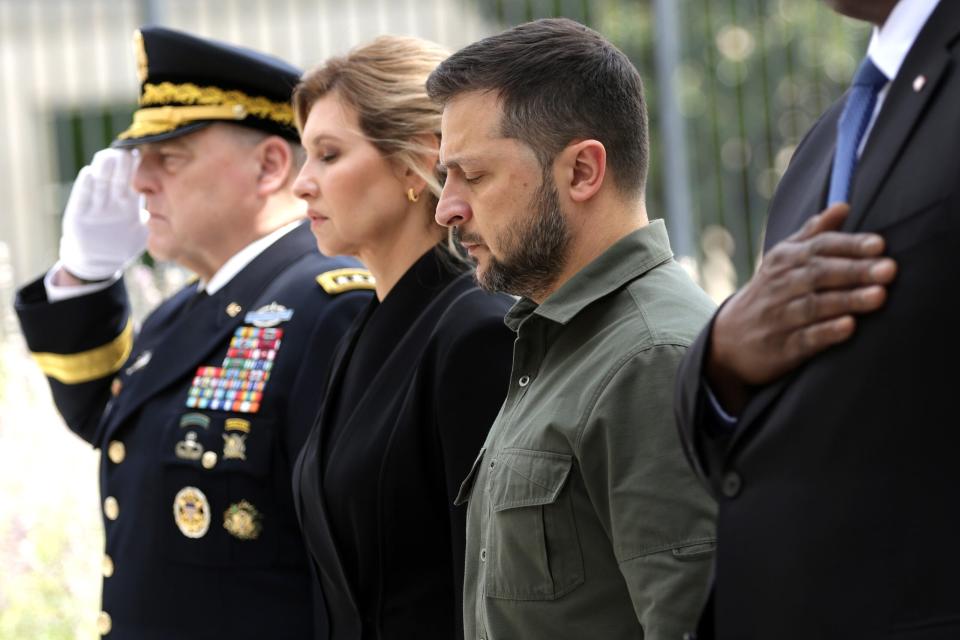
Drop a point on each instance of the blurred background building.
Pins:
(732, 85)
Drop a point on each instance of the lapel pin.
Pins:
(233, 309)
(142, 360)
(918, 83)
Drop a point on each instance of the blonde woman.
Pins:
(418, 379)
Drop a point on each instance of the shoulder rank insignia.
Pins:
(242, 520)
(268, 315)
(191, 512)
(341, 280)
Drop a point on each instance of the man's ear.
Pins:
(276, 160)
(583, 166)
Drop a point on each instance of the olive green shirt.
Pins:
(584, 519)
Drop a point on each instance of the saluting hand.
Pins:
(102, 227)
(802, 300)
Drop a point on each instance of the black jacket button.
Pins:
(731, 484)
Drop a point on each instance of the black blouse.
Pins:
(415, 386)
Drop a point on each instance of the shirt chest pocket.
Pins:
(533, 550)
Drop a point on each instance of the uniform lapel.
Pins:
(192, 337)
(903, 109)
(319, 539)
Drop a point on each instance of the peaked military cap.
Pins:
(188, 82)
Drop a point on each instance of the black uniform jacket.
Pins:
(838, 489)
(414, 389)
(201, 534)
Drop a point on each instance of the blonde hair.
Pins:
(385, 82)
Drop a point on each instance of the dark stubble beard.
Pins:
(535, 251)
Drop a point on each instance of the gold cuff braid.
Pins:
(102, 361)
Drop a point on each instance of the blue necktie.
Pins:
(852, 125)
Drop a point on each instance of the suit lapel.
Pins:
(191, 338)
(803, 188)
(320, 538)
(903, 109)
(802, 194)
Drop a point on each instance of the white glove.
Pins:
(102, 227)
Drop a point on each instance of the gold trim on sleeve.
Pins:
(102, 361)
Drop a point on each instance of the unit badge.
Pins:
(242, 521)
(268, 315)
(194, 420)
(234, 446)
(189, 448)
(191, 512)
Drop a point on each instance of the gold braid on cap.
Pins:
(213, 103)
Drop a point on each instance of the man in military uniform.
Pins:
(199, 414)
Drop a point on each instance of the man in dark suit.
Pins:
(818, 402)
(200, 414)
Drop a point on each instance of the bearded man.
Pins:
(584, 519)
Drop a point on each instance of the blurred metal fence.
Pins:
(731, 87)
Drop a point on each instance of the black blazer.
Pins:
(227, 579)
(838, 490)
(415, 386)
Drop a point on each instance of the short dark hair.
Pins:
(559, 81)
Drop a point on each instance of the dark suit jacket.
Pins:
(228, 579)
(838, 489)
(375, 483)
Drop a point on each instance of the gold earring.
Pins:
(412, 196)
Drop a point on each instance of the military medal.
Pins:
(191, 512)
(237, 385)
(242, 520)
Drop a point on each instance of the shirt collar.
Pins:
(626, 260)
(890, 43)
(242, 258)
